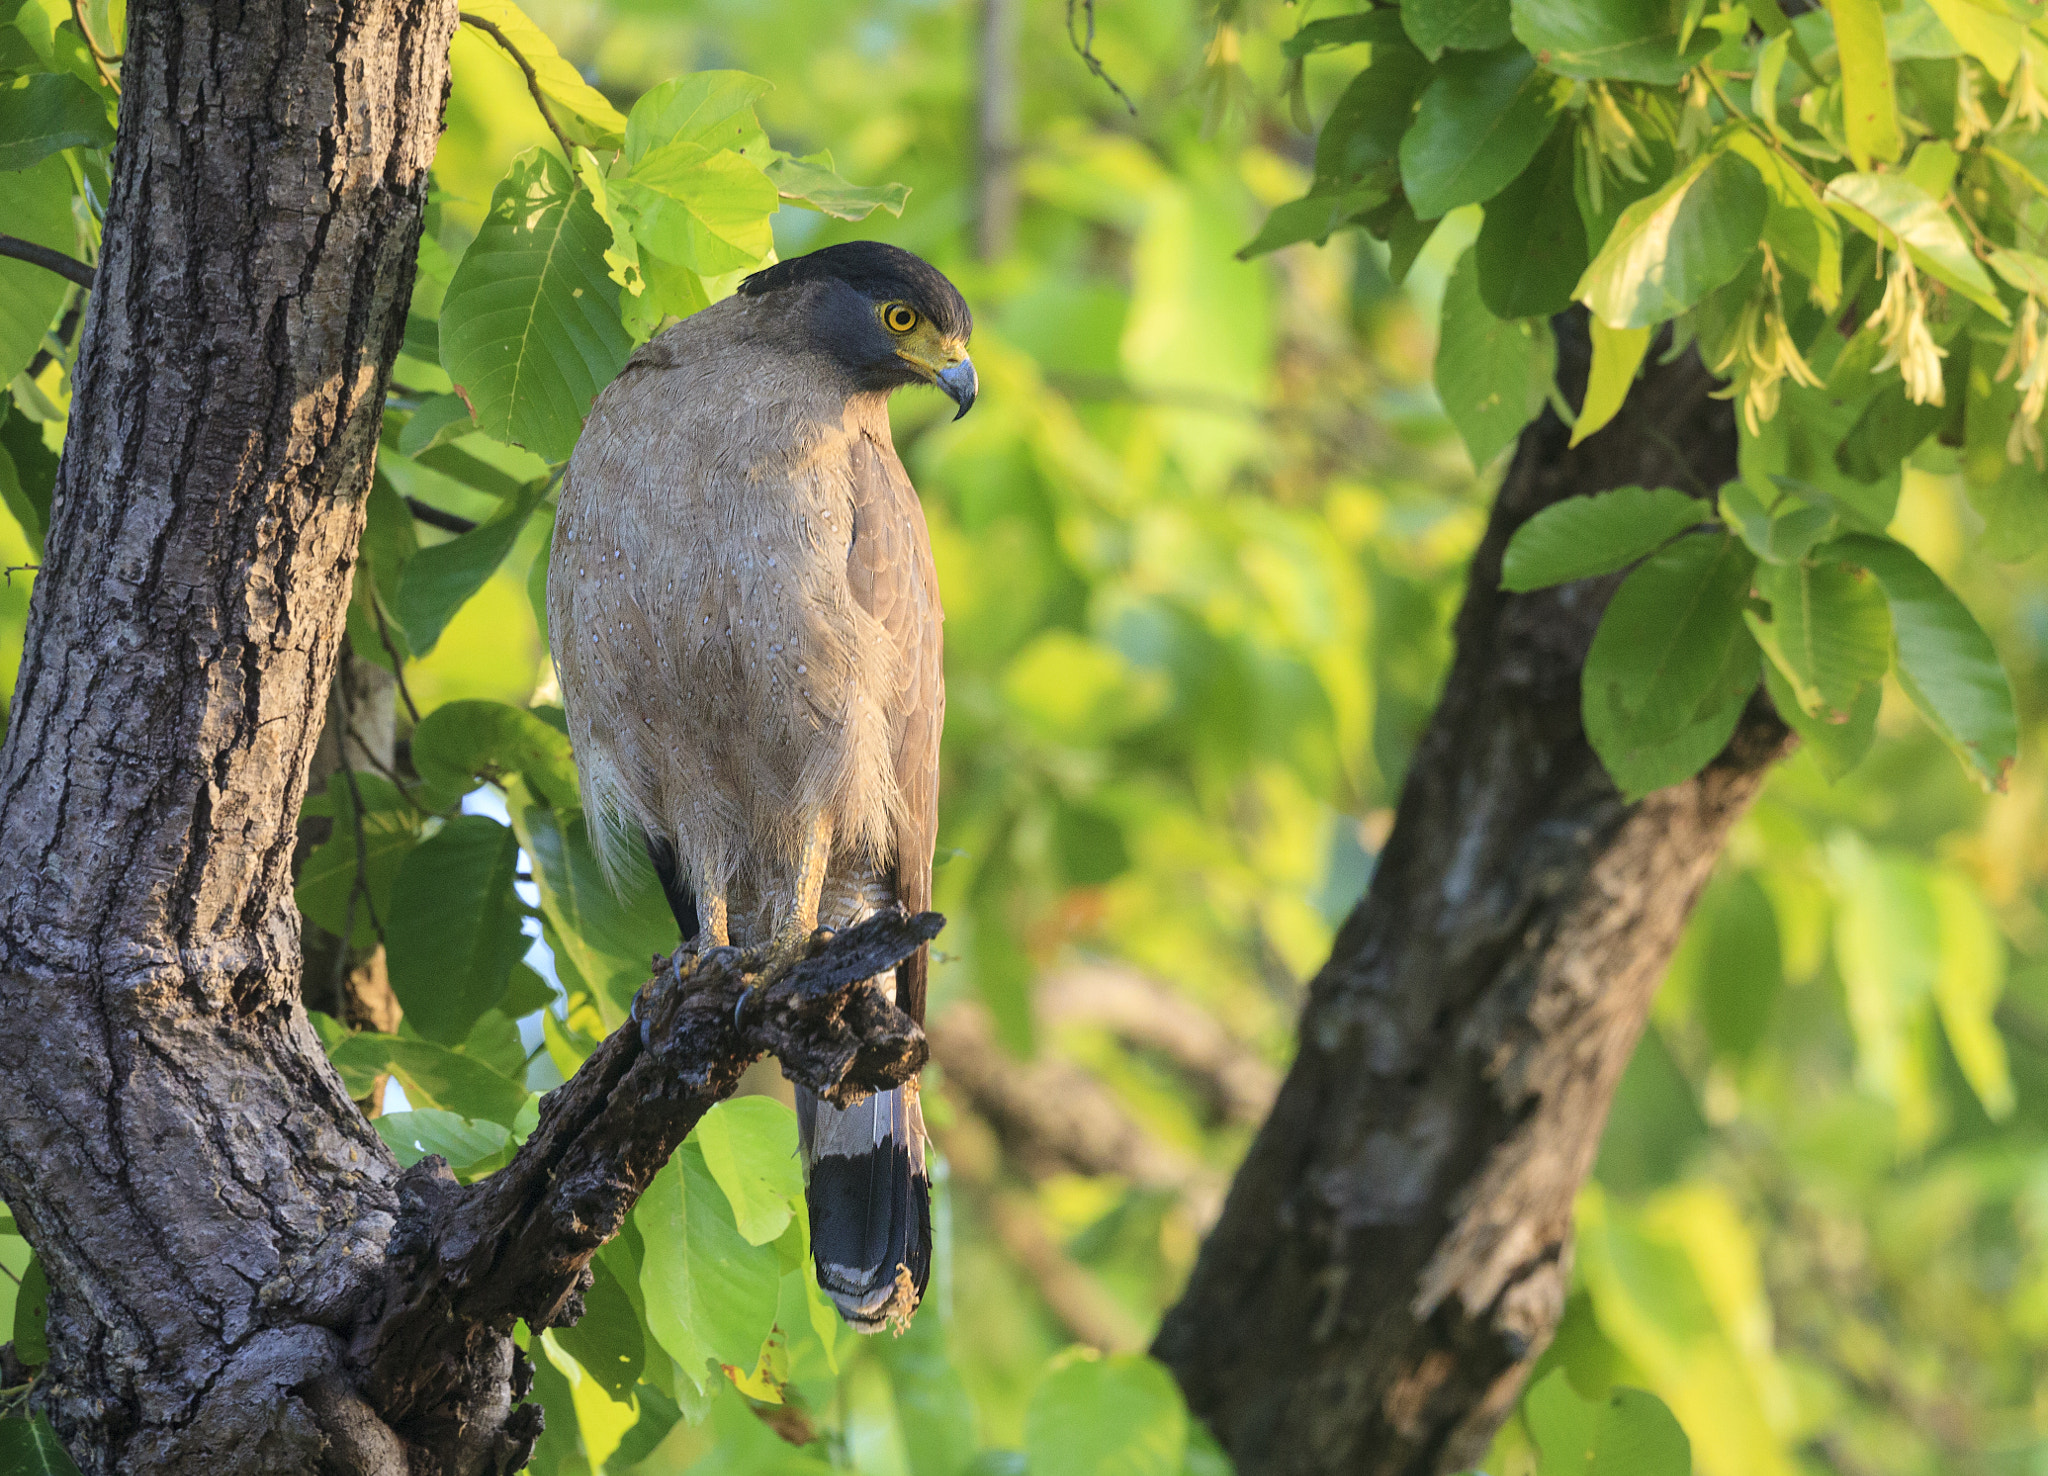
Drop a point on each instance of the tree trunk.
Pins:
(188, 1168)
(1396, 1249)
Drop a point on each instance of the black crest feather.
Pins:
(877, 271)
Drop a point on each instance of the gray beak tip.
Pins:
(961, 385)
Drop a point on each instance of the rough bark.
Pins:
(1395, 1251)
(175, 1146)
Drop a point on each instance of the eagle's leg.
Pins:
(793, 935)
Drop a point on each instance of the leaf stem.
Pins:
(490, 28)
(68, 267)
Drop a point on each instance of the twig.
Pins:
(1085, 49)
(11, 570)
(391, 650)
(68, 267)
(99, 58)
(489, 28)
(435, 517)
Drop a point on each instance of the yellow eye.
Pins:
(900, 319)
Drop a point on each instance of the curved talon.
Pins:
(741, 1005)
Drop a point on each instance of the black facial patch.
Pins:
(879, 272)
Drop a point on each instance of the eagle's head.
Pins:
(889, 318)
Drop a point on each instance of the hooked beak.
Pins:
(960, 384)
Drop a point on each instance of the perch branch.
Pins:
(68, 267)
(435, 517)
(464, 1262)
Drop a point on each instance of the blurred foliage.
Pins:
(1200, 544)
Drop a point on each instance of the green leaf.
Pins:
(1531, 249)
(34, 471)
(328, 880)
(1799, 227)
(459, 742)
(2011, 498)
(1492, 376)
(1671, 249)
(454, 929)
(464, 1142)
(32, 1316)
(41, 114)
(607, 1339)
(1617, 356)
(29, 1447)
(1371, 26)
(750, 1148)
(580, 110)
(622, 256)
(1314, 217)
(714, 109)
(1671, 664)
(1626, 40)
(1456, 25)
(2023, 270)
(812, 181)
(442, 418)
(1897, 213)
(38, 210)
(530, 327)
(1629, 1433)
(440, 578)
(1584, 536)
(710, 1293)
(1836, 747)
(1363, 130)
(1741, 970)
(609, 943)
(704, 210)
(1116, 1416)
(1781, 534)
(1945, 662)
(432, 1075)
(1829, 632)
(1870, 115)
(1476, 127)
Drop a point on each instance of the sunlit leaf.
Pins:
(1828, 631)
(1477, 126)
(1898, 213)
(463, 1141)
(44, 113)
(607, 1340)
(706, 210)
(1095, 1416)
(1969, 977)
(710, 1293)
(459, 742)
(579, 109)
(750, 1147)
(1617, 357)
(714, 109)
(39, 211)
(1869, 110)
(1671, 249)
(1627, 40)
(813, 181)
(530, 328)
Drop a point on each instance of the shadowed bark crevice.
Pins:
(1395, 1251)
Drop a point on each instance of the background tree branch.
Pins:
(1396, 1249)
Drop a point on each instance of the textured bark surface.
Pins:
(191, 1172)
(1396, 1248)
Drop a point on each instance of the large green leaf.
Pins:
(579, 110)
(1583, 536)
(1492, 376)
(1531, 249)
(432, 1075)
(1626, 40)
(1828, 631)
(710, 1293)
(1898, 213)
(714, 109)
(1783, 533)
(29, 1447)
(38, 210)
(1870, 114)
(42, 114)
(1799, 228)
(465, 1142)
(1617, 358)
(1477, 126)
(1674, 247)
(530, 327)
(1945, 662)
(1671, 664)
(1457, 25)
(439, 579)
(1629, 1433)
(460, 742)
(1365, 125)
(454, 929)
(703, 209)
(1098, 1416)
(607, 1339)
(750, 1148)
(813, 181)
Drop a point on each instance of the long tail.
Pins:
(870, 1203)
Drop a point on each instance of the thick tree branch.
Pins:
(1396, 1249)
(464, 1262)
